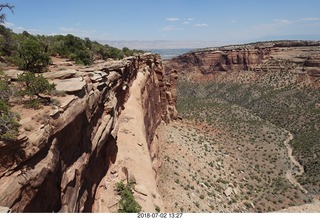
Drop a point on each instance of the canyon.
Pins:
(250, 117)
(226, 129)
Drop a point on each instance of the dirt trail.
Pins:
(133, 155)
(289, 173)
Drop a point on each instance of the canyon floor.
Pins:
(229, 167)
(204, 172)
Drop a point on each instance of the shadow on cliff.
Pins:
(77, 156)
(11, 153)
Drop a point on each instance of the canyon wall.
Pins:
(159, 105)
(58, 166)
(296, 56)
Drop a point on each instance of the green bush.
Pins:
(35, 86)
(33, 56)
(157, 208)
(8, 120)
(76, 49)
(127, 203)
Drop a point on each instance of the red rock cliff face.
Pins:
(158, 104)
(297, 56)
(59, 166)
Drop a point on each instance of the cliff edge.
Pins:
(64, 152)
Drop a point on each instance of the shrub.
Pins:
(33, 56)
(127, 203)
(35, 85)
(75, 49)
(8, 120)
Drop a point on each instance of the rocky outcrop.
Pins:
(296, 56)
(58, 166)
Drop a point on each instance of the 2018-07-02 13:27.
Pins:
(159, 215)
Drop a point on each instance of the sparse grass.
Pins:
(231, 146)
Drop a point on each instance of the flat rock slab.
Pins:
(64, 74)
(71, 85)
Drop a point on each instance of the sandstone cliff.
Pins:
(296, 56)
(58, 166)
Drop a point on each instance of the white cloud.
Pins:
(310, 19)
(201, 25)
(282, 21)
(171, 28)
(8, 24)
(172, 19)
(233, 21)
(188, 20)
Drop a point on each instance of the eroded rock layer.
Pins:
(297, 56)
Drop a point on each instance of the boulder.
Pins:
(228, 191)
(113, 75)
(96, 78)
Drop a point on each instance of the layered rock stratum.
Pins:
(297, 56)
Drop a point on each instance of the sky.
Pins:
(169, 23)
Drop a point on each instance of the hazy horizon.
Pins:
(162, 44)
